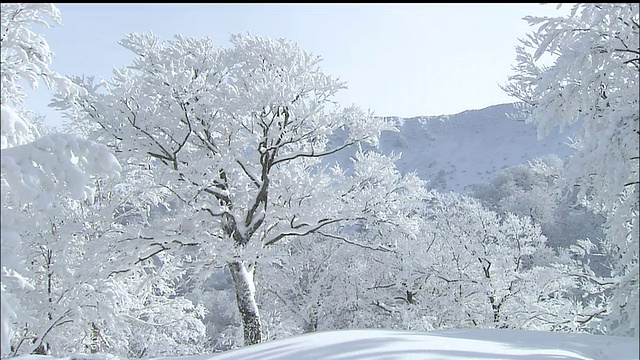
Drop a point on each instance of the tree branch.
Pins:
(364, 246)
(312, 229)
(313, 154)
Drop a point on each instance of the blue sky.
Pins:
(397, 59)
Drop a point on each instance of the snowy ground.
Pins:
(443, 344)
(415, 345)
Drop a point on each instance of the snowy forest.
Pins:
(192, 202)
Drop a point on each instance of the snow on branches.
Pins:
(594, 80)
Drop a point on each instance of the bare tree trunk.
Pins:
(94, 347)
(246, 301)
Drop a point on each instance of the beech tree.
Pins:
(237, 136)
(594, 80)
(36, 170)
(91, 293)
(69, 280)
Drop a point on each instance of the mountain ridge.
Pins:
(455, 152)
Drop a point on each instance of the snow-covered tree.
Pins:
(26, 54)
(475, 268)
(238, 136)
(104, 296)
(468, 267)
(594, 80)
(37, 171)
(533, 190)
(324, 280)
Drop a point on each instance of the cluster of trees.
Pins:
(190, 205)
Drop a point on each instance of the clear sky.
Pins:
(397, 59)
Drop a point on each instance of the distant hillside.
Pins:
(454, 152)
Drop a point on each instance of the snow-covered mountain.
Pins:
(454, 152)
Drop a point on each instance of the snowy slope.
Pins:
(453, 152)
(442, 344)
(378, 344)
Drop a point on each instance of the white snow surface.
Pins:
(381, 344)
(440, 344)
